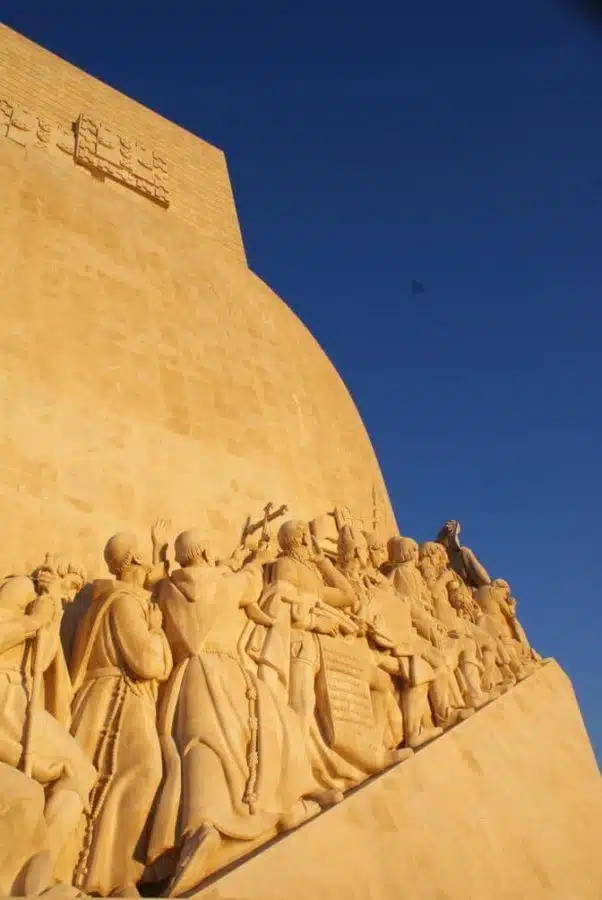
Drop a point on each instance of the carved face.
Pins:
(352, 544)
(432, 559)
(294, 538)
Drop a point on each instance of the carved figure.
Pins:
(235, 760)
(120, 654)
(462, 560)
(34, 711)
(499, 618)
(402, 568)
(312, 656)
(463, 640)
(400, 651)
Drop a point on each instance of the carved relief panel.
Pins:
(91, 145)
(29, 130)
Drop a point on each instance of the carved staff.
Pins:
(35, 696)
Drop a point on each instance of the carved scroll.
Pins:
(100, 149)
(344, 699)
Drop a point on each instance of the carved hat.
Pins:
(121, 550)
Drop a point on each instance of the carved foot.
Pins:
(301, 812)
(38, 873)
(67, 892)
(326, 799)
(198, 849)
(424, 737)
(399, 755)
(454, 717)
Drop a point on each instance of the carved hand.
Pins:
(263, 554)
(324, 625)
(257, 615)
(160, 532)
(42, 613)
(45, 771)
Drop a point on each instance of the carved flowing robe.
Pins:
(22, 814)
(234, 755)
(118, 658)
(465, 564)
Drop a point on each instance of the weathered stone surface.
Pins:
(145, 369)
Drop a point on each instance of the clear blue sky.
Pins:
(458, 144)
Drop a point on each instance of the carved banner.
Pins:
(345, 703)
(100, 149)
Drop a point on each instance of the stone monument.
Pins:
(275, 694)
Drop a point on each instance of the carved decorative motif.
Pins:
(91, 145)
(29, 130)
(100, 149)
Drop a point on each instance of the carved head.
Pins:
(377, 551)
(294, 538)
(64, 576)
(503, 592)
(191, 549)
(402, 550)
(121, 551)
(432, 559)
(449, 535)
(352, 545)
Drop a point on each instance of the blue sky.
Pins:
(456, 144)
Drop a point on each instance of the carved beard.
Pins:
(429, 573)
(300, 554)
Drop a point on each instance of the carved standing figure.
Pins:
(313, 655)
(499, 618)
(34, 691)
(235, 760)
(399, 649)
(119, 657)
(462, 560)
(462, 639)
(402, 569)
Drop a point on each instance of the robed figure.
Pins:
(235, 760)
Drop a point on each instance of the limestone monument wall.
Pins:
(145, 370)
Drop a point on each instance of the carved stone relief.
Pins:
(92, 145)
(103, 150)
(209, 706)
(29, 130)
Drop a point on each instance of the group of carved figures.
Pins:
(209, 707)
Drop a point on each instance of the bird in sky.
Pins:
(417, 288)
